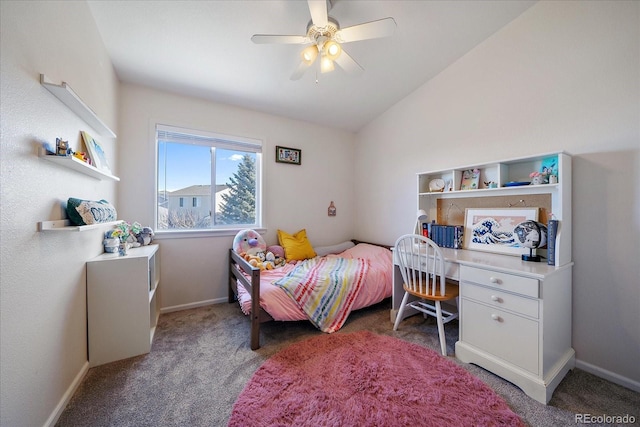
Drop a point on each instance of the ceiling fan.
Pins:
(325, 38)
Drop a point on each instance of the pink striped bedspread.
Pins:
(275, 301)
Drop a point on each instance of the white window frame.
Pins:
(230, 142)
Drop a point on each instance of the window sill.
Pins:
(194, 234)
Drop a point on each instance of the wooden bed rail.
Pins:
(237, 265)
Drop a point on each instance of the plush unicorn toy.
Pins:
(249, 242)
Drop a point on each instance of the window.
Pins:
(219, 174)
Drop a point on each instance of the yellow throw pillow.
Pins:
(297, 246)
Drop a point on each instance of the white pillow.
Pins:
(334, 249)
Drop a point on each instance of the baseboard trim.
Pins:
(66, 397)
(608, 375)
(192, 305)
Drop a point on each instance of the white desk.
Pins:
(515, 317)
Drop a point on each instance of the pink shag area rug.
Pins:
(365, 379)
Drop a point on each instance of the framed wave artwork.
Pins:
(492, 229)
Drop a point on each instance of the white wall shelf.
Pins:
(77, 165)
(69, 98)
(65, 225)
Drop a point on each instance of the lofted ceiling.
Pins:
(204, 49)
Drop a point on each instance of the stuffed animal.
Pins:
(145, 237)
(251, 246)
(110, 242)
(249, 242)
(274, 261)
(257, 260)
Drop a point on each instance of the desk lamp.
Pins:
(421, 216)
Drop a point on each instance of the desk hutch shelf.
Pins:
(504, 174)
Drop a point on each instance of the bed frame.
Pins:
(238, 266)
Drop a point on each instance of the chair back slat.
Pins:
(421, 264)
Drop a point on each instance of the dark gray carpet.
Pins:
(201, 360)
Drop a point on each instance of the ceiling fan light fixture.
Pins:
(326, 64)
(309, 54)
(332, 50)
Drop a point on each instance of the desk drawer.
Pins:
(507, 282)
(501, 300)
(505, 335)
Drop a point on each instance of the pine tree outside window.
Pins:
(219, 173)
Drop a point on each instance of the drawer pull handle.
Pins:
(496, 318)
(496, 298)
(494, 280)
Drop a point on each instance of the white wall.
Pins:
(194, 270)
(43, 294)
(562, 76)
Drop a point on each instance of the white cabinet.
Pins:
(518, 325)
(122, 304)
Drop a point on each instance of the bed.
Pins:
(262, 301)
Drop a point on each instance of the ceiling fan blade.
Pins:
(318, 9)
(279, 39)
(369, 30)
(297, 74)
(348, 64)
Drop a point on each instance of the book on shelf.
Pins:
(447, 236)
(552, 232)
(458, 236)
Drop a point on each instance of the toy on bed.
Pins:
(250, 245)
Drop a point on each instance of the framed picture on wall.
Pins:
(492, 229)
(288, 155)
(98, 157)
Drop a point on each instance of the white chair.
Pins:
(422, 266)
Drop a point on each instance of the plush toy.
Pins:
(251, 246)
(110, 242)
(274, 261)
(145, 237)
(249, 241)
(257, 260)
